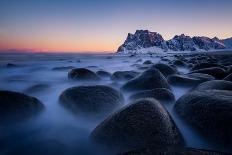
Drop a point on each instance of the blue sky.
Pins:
(102, 25)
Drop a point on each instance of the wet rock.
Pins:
(172, 151)
(37, 88)
(140, 124)
(63, 68)
(183, 80)
(161, 94)
(147, 62)
(216, 72)
(215, 84)
(82, 74)
(209, 111)
(15, 106)
(206, 65)
(201, 76)
(10, 65)
(103, 73)
(94, 101)
(149, 79)
(124, 75)
(228, 77)
(165, 69)
(179, 63)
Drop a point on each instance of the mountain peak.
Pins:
(143, 39)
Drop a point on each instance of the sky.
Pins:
(102, 25)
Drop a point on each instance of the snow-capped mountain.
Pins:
(227, 42)
(144, 39)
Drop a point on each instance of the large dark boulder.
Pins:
(205, 65)
(215, 84)
(82, 74)
(14, 106)
(216, 72)
(124, 75)
(140, 124)
(149, 79)
(94, 101)
(165, 69)
(209, 111)
(161, 94)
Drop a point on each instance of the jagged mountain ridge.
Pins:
(143, 39)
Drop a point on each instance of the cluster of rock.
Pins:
(143, 39)
(144, 126)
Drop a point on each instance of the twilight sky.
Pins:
(102, 25)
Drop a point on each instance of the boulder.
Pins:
(161, 94)
(147, 62)
(37, 88)
(184, 80)
(179, 63)
(14, 105)
(205, 65)
(93, 101)
(149, 79)
(209, 111)
(124, 75)
(215, 84)
(165, 69)
(142, 123)
(82, 74)
(103, 73)
(216, 72)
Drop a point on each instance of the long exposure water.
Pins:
(56, 130)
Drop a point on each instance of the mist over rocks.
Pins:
(18, 106)
(145, 39)
(142, 123)
(92, 101)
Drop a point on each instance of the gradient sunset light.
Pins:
(102, 25)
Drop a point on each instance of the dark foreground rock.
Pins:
(91, 100)
(172, 151)
(161, 94)
(82, 74)
(140, 124)
(124, 75)
(14, 106)
(165, 69)
(209, 111)
(149, 79)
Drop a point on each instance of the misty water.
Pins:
(56, 129)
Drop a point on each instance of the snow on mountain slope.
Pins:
(144, 41)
